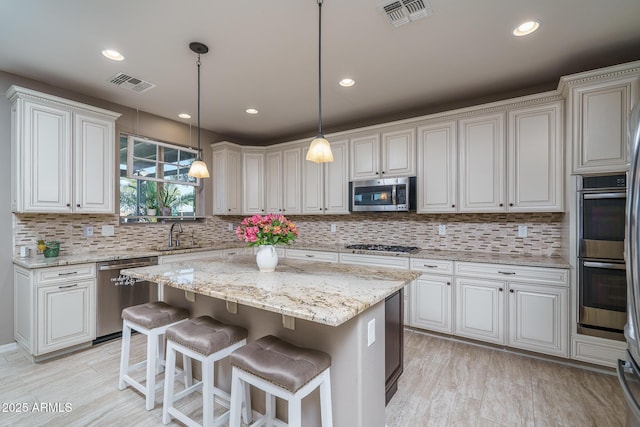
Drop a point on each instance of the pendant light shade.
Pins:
(320, 149)
(198, 168)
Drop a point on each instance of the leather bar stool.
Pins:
(151, 319)
(207, 340)
(281, 370)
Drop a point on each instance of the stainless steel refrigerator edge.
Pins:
(629, 371)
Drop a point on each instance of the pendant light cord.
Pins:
(199, 152)
(320, 68)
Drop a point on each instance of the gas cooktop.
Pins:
(385, 248)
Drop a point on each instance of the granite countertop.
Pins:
(39, 261)
(325, 293)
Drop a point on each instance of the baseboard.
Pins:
(8, 347)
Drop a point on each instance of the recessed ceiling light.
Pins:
(113, 55)
(526, 28)
(184, 116)
(251, 111)
(347, 82)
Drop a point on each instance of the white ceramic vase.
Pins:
(267, 258)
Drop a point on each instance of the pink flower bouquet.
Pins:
(269, 229)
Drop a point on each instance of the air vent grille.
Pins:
(400, 12)
(131, 83)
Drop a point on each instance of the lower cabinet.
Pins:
(55, 307)
(431, 295)
(480, 309)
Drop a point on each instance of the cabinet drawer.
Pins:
(431, 265)
(514, 273)
(375, 261)
(66, 273)
(312, 255)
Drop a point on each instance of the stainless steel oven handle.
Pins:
(592, 196)
(121, 266)
(631, 401)
(611, 265)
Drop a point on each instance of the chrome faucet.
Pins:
(171, 234)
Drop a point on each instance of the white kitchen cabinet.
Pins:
(55, 308)
(63, 155)
(431, 295)
(481, 145)
(535, 177)
(530, 303)
(190, 256)
(226, 175)
(253, 182)
(283, 181)
(325, 186)
(375, 260)
(310, 255)
(437, 176)
(389, 155)
(599, 103)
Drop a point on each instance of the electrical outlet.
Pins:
(522, 231)
(442, 230)
(87, 230)
(107, 230)
(230, 226)
(333, 228)
(371, 332)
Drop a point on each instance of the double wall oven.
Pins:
(602, 281)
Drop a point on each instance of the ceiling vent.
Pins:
(400, 12)
(131, 83)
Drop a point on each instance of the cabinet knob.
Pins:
(510, 204)
(284, 210)
(448, 283)
(229, 210)
(453, 206)
(68, 205)
(325, 209)
(383, 172)
(501, 204)
(511, 290)
(376, 173)
(78, 205)
(500, 289)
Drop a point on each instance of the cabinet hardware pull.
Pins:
(309, 256)
(510, 204)
(68, 286)
(511, 290)
(430, 265)
(377, 173)
(500, 289)
(68, 274)
(453, 206)
(68, 205)
(78, 205)
(501, 204)
(448, 283)
(508, 273)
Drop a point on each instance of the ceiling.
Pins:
(263, 54)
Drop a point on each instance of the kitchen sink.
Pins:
(176, 248)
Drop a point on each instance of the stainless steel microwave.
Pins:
(383, 195)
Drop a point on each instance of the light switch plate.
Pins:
(230, 226)
(87, 230)
(333, 228)
(442, 230)
(371, 332)
(522, 231)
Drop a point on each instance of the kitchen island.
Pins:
(335, 308)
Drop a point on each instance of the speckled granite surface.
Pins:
(39, 261)
(325, 293)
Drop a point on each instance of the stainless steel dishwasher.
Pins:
(116, 292)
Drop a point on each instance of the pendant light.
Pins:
(199, 167)
(320, 149)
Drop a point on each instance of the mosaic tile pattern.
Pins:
(486, 233)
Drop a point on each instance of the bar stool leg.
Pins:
(208, 397)
(295, 411)
(237, 388)
(160, 352)
(124, 353)
(270, 406)
(186, 370)
(169, 382)
(152, 348)
(325, 400)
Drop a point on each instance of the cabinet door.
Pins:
(480, 309)
(599, 125)
(292, 181)
(336, 182)
(253, 183)
(66, 315)
(398, 153)
(437, 168)
(94, 164)
(364, 157)
(273, 181)
(431, 303)
(46, 151)
(535, 166)
(312, 187)
(227, 181)
(538, 319)
(482, 163)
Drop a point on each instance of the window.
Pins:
(154, 180)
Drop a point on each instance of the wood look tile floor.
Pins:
(445, 383)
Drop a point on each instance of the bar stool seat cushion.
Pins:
(280, 362)
(154, 314)
(205, 335)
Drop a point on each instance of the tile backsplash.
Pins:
(492, 233)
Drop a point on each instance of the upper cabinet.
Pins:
(227, 178)
(599, 103)
(325, 186)
(253, 181)
(378, 156)
(63, 155)
(437, 168)
(481, 144)
(283, 180)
